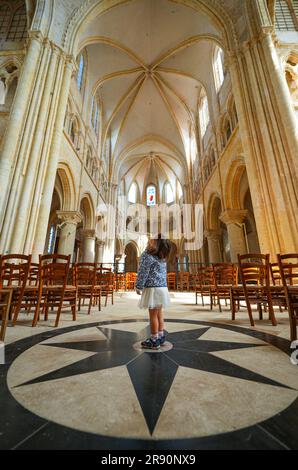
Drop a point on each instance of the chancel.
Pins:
(148, 158)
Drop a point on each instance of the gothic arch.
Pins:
(233, 183)
(87, 210)
(214, 208)
(88, 11)
(68, 187)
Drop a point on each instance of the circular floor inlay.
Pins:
(167, 346)
(211, 379)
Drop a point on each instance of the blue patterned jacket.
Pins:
(152, 272)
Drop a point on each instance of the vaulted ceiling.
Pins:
(149, 59)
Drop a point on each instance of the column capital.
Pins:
(99, 242)
(88, 233)
(70, 217)
(233, 216)
(212, 234)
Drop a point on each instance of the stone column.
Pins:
(99, 246)
(49, 182)
(21, 103)
(269, 136)
(88, 244)
(234, 220)
(213, 239)
(67, 236)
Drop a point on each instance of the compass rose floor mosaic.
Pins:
(217, 384)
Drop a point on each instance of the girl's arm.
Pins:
(143, 272)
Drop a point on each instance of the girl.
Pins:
(152, 284)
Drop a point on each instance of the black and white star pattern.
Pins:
(152, 375)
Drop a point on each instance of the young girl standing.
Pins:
(152, 285)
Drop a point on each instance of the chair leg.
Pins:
(90, 304)
(74, 310)
(233, 308)
(250, 313)
(58, 313)
(260, 311)
(37, 308)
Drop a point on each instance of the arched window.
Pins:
(204, 117)
(81, 69)
(5, 19)
(286, 15)
(219, 75)
(52, 238)
(169, 195)
(3, 91)
(227, 130)
(95, 110)
(73, 132)
(151, 195)
(18, 27)
(132, 194)
(179, 190)
(13, 25)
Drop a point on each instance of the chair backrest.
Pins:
(288, 266)
(105, 276)
(275, 274)
(85, 274)
(14, 270)
(254, 269)
(225, 273)
(53, 269)
(33, 274)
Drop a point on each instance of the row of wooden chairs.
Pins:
(50, 284)
(264, 284)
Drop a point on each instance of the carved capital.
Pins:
(88, 233)
(212, 234)
(69, 217)
(233, 216)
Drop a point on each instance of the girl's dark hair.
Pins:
(160, 247)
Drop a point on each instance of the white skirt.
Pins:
(154, 297)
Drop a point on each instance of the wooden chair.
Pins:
(184, 281)
(131, 279)
(205, 284)
(105, 278)
(288, 266)
(119, 281)
(87, 285)
(14, 272)
(225, 277)
(171, 281)
(53, 290)
(5, 303)
(255, 276)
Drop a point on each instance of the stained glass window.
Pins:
(204, 114)
(80, 72)
(151, 195)
(132, 194)
(52, 237)
(218, 68)
(169, 194)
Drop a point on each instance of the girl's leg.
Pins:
(160, 320)
(154, 322)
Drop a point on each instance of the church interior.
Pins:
(110, 109)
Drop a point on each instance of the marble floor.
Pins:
(218, 383)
